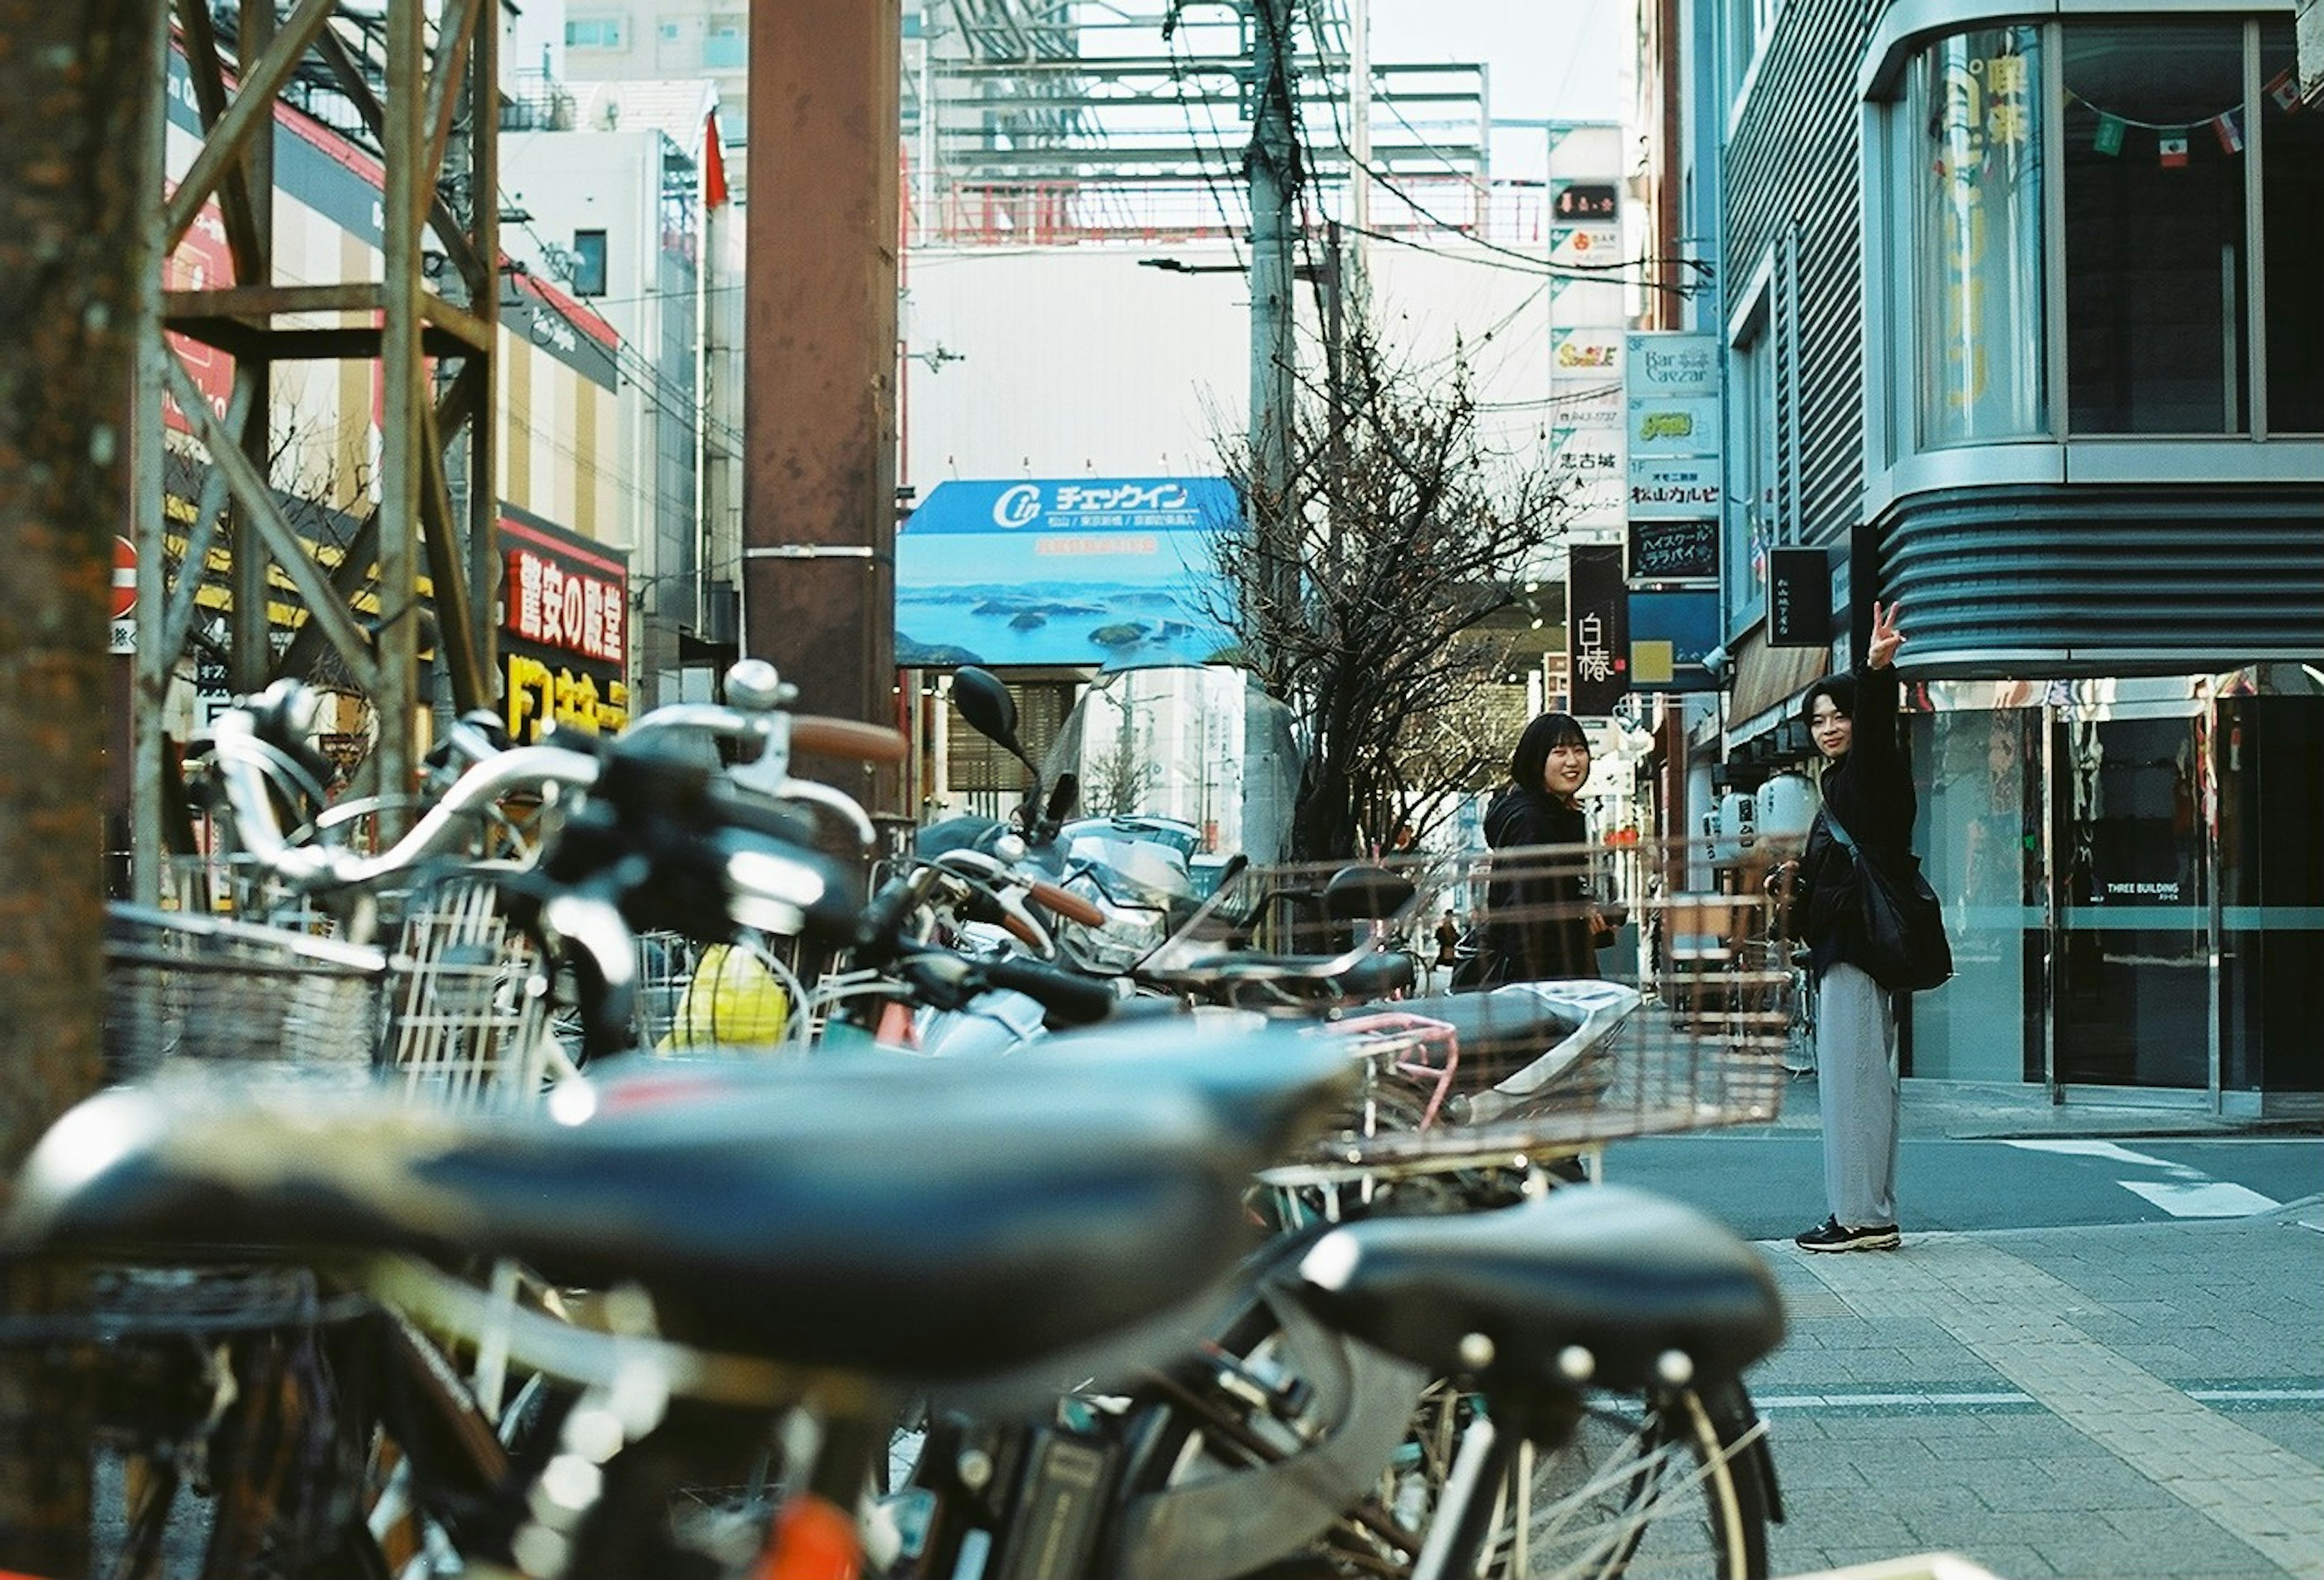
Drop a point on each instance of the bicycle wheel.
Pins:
(1647, 1488)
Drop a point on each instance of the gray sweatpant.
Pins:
(1856, 1086)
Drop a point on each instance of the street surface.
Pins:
(2096, 1355)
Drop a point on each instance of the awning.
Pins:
(1767, 678)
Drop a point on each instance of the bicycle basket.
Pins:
(184, 986)
(467, 1006)
(1683, 1028)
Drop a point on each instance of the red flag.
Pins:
(2172, 145)
(2230, 135)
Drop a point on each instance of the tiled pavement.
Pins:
(2138, 1401)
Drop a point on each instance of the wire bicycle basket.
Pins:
(455, 1013)
(182, 986)
(1683, 1029)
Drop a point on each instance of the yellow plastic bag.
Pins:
(733, 999)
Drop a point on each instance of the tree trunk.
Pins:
(79, 87)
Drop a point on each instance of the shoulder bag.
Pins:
(1902, 926)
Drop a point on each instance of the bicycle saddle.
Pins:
(1524, 1037)
(920, 1221)
(1368, 976)
(1626, 1275)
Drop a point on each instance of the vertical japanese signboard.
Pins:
(1597, 628)
(1585, 393)
(1799, 598)
(1671, 383)
(1673, 488)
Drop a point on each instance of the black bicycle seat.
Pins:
(1366, 976)
(1626, 1275)
(922, 1221)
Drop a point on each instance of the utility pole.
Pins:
(1272, 165)
(819, 347)
(79, 87)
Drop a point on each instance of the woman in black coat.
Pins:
(1541, 922)
(1869, 791)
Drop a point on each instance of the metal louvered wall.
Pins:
(2092, 581)
(1794, 188)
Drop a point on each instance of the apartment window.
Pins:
(725, 46)
(589, 264)
(2290, 149)
(595, 32)
(1753, 526)
(1746, 25)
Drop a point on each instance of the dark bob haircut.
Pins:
(1839, 688)
(1534, 747)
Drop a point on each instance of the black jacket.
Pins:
(1538, 907)
(1870, 791)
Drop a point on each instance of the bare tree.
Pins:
(1117, 780)
(77, 84)
(1364, 596)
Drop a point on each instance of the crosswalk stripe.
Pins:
(2210, 1199)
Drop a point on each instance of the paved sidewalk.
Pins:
(2140, 1399)
(1976, 1111)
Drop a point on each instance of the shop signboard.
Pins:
(1799, 598)
(1675, 551)
(1597, 628)
(564, 629)
(1114, 572)
(1675, 476)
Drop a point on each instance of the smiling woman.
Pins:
(1540, 922)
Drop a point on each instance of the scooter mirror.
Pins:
(988, 707)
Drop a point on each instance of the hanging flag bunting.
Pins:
(2108, 139)
(2283, 90)
(2173, 146)
(2230, 135)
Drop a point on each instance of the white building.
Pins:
(618, 197)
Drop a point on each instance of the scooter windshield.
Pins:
(1194, 763)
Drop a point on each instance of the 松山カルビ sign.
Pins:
(1057, 571)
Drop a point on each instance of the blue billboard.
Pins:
(1114, 572)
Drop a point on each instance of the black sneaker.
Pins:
(1831, 1234)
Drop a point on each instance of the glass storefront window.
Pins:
(2270, 758)
(1975, 102)
(1980, 824)
(2291, 168)
(2157, 323)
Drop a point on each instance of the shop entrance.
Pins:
(2133, 876)
(2133, 1000)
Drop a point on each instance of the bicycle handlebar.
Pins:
(437, 832)
(848, 738)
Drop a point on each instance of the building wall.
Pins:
(554, 358)
(2107, 625)
(1794, 194)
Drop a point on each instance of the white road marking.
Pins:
(2212, 1199)
(2185, 1193)
(2113, 1153)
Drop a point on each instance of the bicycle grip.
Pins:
(1067, 903)
(1070, 997)
(848, 738)
(883, 920)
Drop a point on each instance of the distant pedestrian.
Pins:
(1867, 790)
(1541, 923)
(1448, 944)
